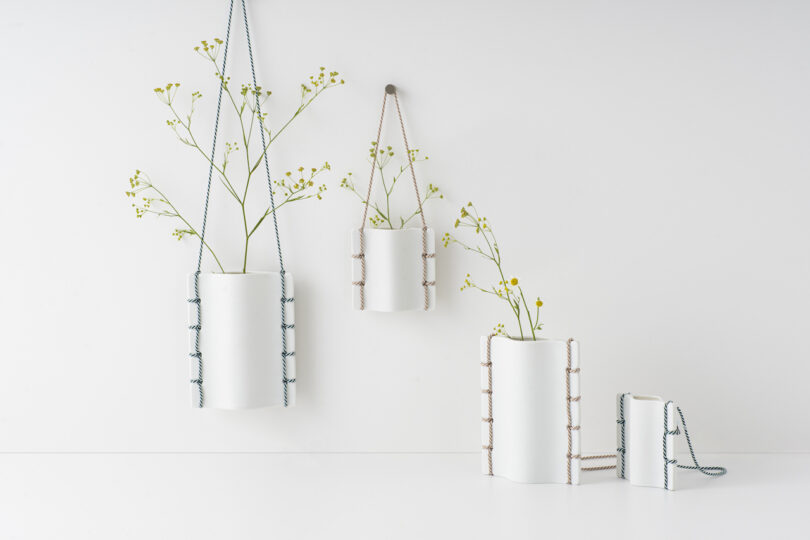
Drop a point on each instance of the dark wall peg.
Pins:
(390, 89)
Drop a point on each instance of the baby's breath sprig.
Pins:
(148, 199)
(295, 188)
(245, 103)
(381, 217)
(509, 290)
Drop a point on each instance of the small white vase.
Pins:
(241, 340)
(529, 416)
(644, 440)
(393, 278)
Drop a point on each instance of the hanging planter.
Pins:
(241, 324)
(530, 409)
(393, 269)
(249, 356)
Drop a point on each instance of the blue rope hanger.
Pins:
(198, 381)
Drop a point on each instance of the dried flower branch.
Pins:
(381, 216)
(149, 199)
(510, 290)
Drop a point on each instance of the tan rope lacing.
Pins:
(488, 391)
(568, 400)
(391, 89)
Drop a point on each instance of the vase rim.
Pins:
(238, 274)
(529, 340)
(406, 229)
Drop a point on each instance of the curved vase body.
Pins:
(240, 340)
(529, 410)
(393, 276)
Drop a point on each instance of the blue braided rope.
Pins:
(667, 461)
(708, 471)
(284, 326)
(620, 452)
(196, 300)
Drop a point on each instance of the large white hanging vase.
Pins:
(646, 427)
(530, 409)
(394, 270)
(248, 353)
(241, 325)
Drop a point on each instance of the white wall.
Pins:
(645, 164)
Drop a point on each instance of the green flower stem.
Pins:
(528, 313)
(272, 137)
(387, 215)
(384, 216)
(496, 257)
(507, 290)
(176, 213)
(195, 145)
(372, 204)
(249, 99)
(429, 195)
(267, 213)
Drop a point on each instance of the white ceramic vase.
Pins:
(241, 340)
(642, 442)
(393, 279)
(529, 417)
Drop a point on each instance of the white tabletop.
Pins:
(413, 496)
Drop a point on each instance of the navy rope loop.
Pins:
(284, 354)
(708, 471)
(196, 300)
(667, 432)
(620, 451)
(284, 299)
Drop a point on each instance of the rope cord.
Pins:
(391, 89)
(667, 432)
(284, 299)
(708, 471)
(571, 428)
(602, 468)
(620, 451)
(196, 300)
(284, 354)
(568, 400)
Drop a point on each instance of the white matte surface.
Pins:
(392, 496)
(529, 410)
(394, 269)
(240, 340)
(645, 165)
